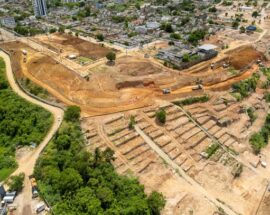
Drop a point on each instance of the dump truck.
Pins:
(34, 186)
(198, 87)
(166, 91)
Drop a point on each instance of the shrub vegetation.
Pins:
(245, 87)
(192, 100)
(77, 182)
(260, 139)
(21, 123)
(161, 116)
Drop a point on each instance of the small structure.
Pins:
(2, 191)
(72, 56)
(8, 199)
(166, 91)
(207, 47)
(264, 164)
(251, 28)
(8, 22)
(246, 8)
(141, 29)
(24, 52)
(198, 87)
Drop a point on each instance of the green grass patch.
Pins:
(212, 149)
(233, 71)
(83, 60)
(251, 114)
(267, 97)
(5, 172)
(192, 100)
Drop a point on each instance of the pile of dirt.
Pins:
(132, 66)
(135, 84)
(242, 58)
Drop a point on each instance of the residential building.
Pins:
(40, 8)
(70, 1)
(8, 21)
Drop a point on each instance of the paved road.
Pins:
(198, 187)
(26, 164)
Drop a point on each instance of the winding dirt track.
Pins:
(27, 163)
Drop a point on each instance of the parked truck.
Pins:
(34, 186)
(166, 91)
(198, 87)
(40, 207)
(8, 199)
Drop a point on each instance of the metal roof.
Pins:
(207, 47)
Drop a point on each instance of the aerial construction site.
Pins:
(200, 158)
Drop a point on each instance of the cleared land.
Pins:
(133, 82)
(219, 126)
(73, 45)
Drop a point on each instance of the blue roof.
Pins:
(251, 28)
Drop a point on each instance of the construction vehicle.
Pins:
(34, 186)
(24, 52)
(166, 91)
(198, 87)
(225, 65)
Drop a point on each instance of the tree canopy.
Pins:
(161, 116)
(111, 56)
(78, 182)
(21, 123)
(15, 182)
(72, 113)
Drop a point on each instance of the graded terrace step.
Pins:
(191, 133)
(141, 157)
(144, 165)
(163, 140)
(136, 152)
(126, 139)
(120, 135)
(196, 140)
(174, 153)
(180, 131)
(155, 134)
(130, 147)
(177, 123)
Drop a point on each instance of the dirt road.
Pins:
(27, 163)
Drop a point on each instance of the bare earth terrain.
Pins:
(167, 158)
(133, 82)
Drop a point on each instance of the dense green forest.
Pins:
(78, 182)
(20, 124)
